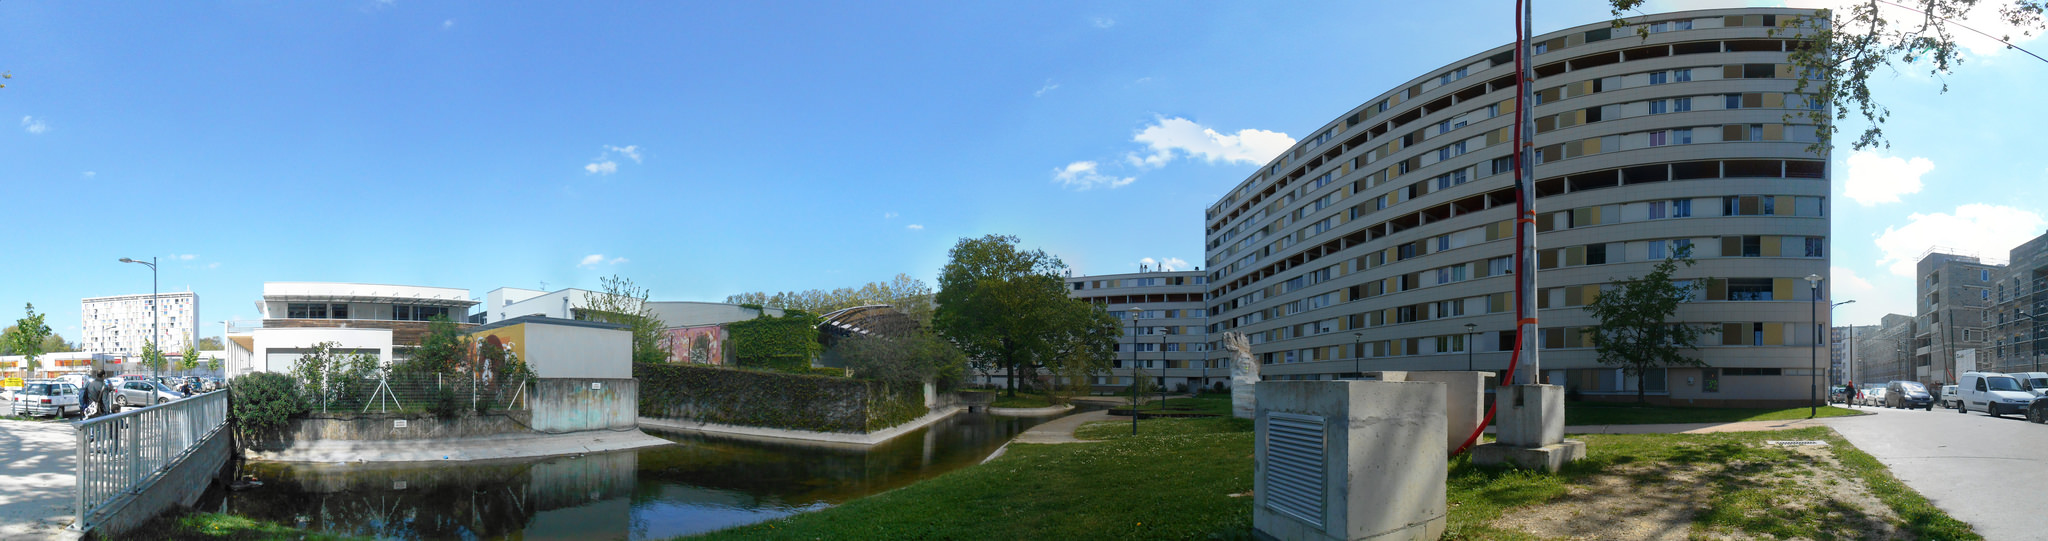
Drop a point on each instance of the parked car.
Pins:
(214, 384)
(47, 397)
(1873, 396)
(143, 392)
(1839, 394)
(2038, 411)
(1908, 395)
(1948, 397)
(2035, 382)
(1993, 393)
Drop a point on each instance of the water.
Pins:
(705, 483)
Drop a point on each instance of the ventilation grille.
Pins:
(1294, 466)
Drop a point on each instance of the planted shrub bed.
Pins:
(775, 399)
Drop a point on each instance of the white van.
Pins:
(2033, 381)
(1993, 393)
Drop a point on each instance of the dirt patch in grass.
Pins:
(1786, 492)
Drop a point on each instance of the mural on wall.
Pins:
(510, 337)
(699, 345)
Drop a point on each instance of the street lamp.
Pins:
(1358, 355)
(1134, 312)
(154, 310)
(1813, 365)
(1469, 344)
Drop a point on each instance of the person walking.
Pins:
(1855, 394)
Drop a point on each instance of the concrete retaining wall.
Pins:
(576, 404)
(179, 487)
(384, 427)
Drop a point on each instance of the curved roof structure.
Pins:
(869, 320)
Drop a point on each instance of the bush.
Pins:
(448, 402)
(261, 403)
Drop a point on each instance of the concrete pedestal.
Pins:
(1243, 397)
(1530, 430)
(1464, 402)
(1350, 460)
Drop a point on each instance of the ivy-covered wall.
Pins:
(775, 400)
(767, 342)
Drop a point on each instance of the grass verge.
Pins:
(224, 527)
(1601, 413)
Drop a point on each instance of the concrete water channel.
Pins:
(702, 483)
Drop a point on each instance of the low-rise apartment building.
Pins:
(377, 319)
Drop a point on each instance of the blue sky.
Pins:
(711, 148)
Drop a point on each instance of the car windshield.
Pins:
(2002, 384)
(36, 389)
(2038, 383)
(1913, 386)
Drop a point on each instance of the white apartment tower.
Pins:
(120, 324)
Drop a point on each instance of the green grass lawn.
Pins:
(1023, 399)
(1177, 479)
(1602, 413)
(224, 527)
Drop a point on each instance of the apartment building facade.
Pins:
(383, 320)
(1842, 343)
(1953, 303)
(1169, 342)
(119, 325)
(1385, 240)
(2019, 327)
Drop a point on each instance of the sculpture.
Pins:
(1244, 375)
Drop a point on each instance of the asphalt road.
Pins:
(1983, 470)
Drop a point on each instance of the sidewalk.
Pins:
(39, 468)
(485, 448)
(1691, 428)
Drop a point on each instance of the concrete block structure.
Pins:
(1350, 460)
(1370, 244)
(564, 348)
(1953, 302)
(2019, 310)
(120, 324)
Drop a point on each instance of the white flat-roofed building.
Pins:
(378, 319)
(121, 324)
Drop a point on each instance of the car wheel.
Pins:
(160, 401)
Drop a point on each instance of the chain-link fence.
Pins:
(414, 393)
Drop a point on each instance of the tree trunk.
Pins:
(1640, 399)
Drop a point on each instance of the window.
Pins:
(1657, 140)
(1813, 246)
(1542, 47)
(1656, 207)
(1682, 25)
(1683, 75)
(1752, 246)
(1681, 208)
(1734, 101)
(1657, 107)
(1503, 165)
(1682, 136)
(1658, 78)
(1756, 132)
(337, 311)
(1656, 249)
(1443, 127)
(1749, 289)
(1659, 27)
(306, 311)
(1500, 265)
(1681, 104)
(1984, 275)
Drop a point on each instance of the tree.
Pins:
(1084, 346)
(189, 359)
(57, 344)
(153, 358)
(26, 339)
(1843, 49)
(624, 303)
(443, 349)
(908, 295)
(1008, 306)
(1634, 331)
(213, 364)
(913, 358)
(211, 343)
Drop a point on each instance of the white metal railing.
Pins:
(120, 453)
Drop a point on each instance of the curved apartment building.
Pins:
(1384, 241)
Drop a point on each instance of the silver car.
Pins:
(52, 397)
(143, 392)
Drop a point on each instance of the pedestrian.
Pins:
(1855, 394)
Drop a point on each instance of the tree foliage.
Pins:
(914, 358)
(1843, 49)
(786, 343)
(327, 376)
(1010, 307)
(26, 338)
(1635, 331)
(153, 358)
(264, 402)
(211, 343)
(908, 295)
(188, 360)
(444, 349)
(624, 303)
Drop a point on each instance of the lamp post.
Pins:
(1469, 344)
(1813, 368)
(1358, 355)
(154, 310)
(1134, 312)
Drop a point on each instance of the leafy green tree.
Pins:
(913, 358)
(213, 364)
(441, 351)
(908, 295)
(57, 344)
(26, 339)
(153, 358)
(1843, 49)
(1635, 330)
(264, 402)
(189, 359)
(1008, 306)
(1083, 346)
(624, 303)
(211, 343)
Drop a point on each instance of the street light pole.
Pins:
(1134, 312)
(154, 310)
(1469, 344)
(1813, 366)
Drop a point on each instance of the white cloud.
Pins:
(1167, 264)
(1103, 22)
(603, 164)
(1874, 179)
(1169, 137)
(630, 151)
(1848, 284)
(602, 168)
(34, 125)
(1980, 229)
(1048, 87)
(591, 260)
(914, 227)
(213, 265)
(616, 260)
(186, 257)
(90, 174)
(447, 24)
(888, 215)
(1084, 175)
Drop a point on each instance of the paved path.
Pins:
(38, 478)
(1986, 471)
(1061, 430)
(485, 448)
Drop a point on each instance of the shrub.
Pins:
(262, 402)
(448, 402)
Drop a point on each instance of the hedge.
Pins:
(775, 400)
(784, 343)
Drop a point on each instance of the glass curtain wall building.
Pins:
(1374, 241)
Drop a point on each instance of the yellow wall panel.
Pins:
(1774, 132)
(1781, 288)
(1784, 206)
(1774, 335)
(1771, 246)
(1774, 100)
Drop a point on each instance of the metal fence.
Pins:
(118, 453)
(414, 393)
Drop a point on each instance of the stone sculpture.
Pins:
(1244, 375)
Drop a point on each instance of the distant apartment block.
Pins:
(1886, 352)
(1953, 305)
(2019, 310)
(119, 325)
(1842, 343)
(1373, 242)
(377, 319)
(1169, 342)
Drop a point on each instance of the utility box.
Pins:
(1350, 460)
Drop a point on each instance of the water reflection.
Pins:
(704, 483)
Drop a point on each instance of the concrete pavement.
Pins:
(39, 470)
(1986, 471)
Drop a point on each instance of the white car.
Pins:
(1993, 393)
(47, 397)
(2035, 382)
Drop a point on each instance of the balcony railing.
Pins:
(121, 453)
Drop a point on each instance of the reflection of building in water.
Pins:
(582, 498)
(585, 497)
